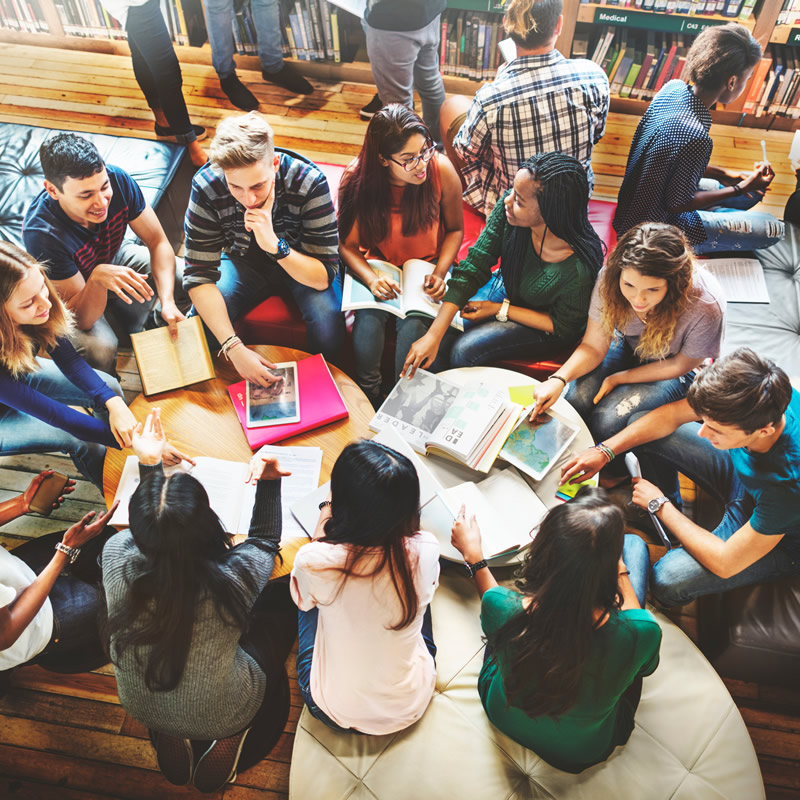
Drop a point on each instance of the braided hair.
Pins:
(563, 196)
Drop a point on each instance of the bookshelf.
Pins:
(42, 25)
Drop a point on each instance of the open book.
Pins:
(467, 424)
(229, 496)
(165, 364)
(411, 278)
(507, 509)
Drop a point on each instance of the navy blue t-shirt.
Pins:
(773, 480)
(66, 246)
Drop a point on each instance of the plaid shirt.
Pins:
(303, 214)
(536, 104)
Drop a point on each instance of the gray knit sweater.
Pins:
(222, 687)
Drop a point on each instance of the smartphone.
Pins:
(49, 491)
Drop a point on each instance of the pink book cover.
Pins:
(320, 403)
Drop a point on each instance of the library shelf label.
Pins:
(671, 23)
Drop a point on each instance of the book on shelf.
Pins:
(320, 403)
(468, 43)
(467, 424)
(165, 363)
(412, 298)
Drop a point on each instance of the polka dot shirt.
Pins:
(669, 155)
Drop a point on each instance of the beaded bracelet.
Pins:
(606, 451)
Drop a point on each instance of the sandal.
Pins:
(217, 766)
(175, 758)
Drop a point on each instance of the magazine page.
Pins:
(414, 297)
(355, 295)
(415, 407)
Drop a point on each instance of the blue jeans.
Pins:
(735, 226)
(306, 636)
(369, 337)
(611, 414)
(156, 67)
(678, 578)
(402, 61)
(637, 561)
(219, 23)
(22, 433)
(484, 342)
(244, 285)
(75, 597)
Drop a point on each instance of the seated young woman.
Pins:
(49, 601)
(668, 177)
(363, 587)
(566, 654)
(535, 305)
(198, 648)
(655, 316)
(400, 200)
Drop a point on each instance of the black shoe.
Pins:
(371, 108)
(175, 758)
(167, 133)
(287, 77)
(238, 93)
(217, 766)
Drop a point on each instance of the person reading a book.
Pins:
(49, 600)
(400, 200)
(535, 305)
(197, 638)
(668, 177)
(737, 435)
(540, 102)
(259, 223)
(566, 654)
(363, 587)
(77, 225)
(655, 316)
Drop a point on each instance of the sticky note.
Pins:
(524, 395)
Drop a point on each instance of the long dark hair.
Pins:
(365, 193)
(569, 573)
(374, 509)
(563, 195)
(183, 545)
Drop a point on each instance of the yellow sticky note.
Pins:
(524, 395)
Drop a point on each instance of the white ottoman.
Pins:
(689, 743)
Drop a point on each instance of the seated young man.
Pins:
(540, 102)
(260, 223)
(76, 226)
(737, 434)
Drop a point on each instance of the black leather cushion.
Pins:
(159, 168)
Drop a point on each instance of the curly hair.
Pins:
(655, 250)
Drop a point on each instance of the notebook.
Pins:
(320, 403)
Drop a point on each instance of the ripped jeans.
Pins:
(735, 226)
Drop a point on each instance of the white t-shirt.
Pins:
(119, 8)
(364, 675)
(16, 575)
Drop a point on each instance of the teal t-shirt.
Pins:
(625, 647)
(773, 480)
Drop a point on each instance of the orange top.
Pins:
(425, 244)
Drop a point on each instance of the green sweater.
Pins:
(222, 686)
(562, 290)
(625, 648)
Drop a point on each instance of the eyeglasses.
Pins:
(411, 164)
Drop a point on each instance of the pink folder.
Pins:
(320, 403)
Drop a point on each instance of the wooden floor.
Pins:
(66, 737)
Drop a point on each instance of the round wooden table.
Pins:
(200, 420)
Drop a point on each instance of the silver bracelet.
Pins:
(72, 552)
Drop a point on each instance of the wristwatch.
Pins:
(473, 568)
(283, 250)
(502, 314)
(654, 506)
(74, 552)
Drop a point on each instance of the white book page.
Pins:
(306, 509)
(742, 279)
(356, 295)
(428, 485)
(414, 297)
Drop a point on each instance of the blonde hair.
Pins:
(242, 141)
(20, 343)
(655, 250)
(532, 23)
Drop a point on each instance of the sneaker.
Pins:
(287, 77)
(217, 766)
(238, 93)
(165, 133)
(175, 758)
(371, 108)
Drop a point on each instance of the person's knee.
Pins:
(673, 579)
(462, 355)
(111, 382)
(101, 354)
